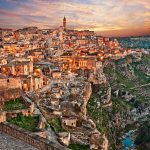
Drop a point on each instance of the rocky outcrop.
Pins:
(100, 77)
(64, 138)
(79, 138)
(86, 97)
(98, 140)
(106, 99)
(87, 91)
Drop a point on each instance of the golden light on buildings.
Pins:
(82, 55)
(101, 58)
(70, 60)
(115, 51)
(4, 69)
(37, 72)
(25, 85)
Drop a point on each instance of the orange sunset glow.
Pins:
(107, 17)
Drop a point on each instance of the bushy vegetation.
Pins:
(78, 147)
(101, 116)
(27, 122)
(146, 59)
(122, 80)
(14, 104)
(142, 77)
(119, 105)
(56, 124)
(143, 137)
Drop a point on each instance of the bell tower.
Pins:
(64, 23)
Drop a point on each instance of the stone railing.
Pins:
(30, 138)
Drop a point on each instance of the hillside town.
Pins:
(50, 73)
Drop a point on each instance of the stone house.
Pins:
(57, 90)
(14, 82)
(8, 69)
(69, 121)
(38, 82)
(17, 68)
(3, 81)
(56, 74)
(37, 55)
(3, 61)
(31, 82)
(24, 68)
(82, 41)
(9, 82)
(27, 83)
(54, 101)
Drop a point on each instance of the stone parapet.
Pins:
(30, 138)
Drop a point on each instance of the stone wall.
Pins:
(3, 83)
(14, 83)
(10, 83)
(8, 94)
(13, 113)
(30, 138)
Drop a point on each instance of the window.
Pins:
(8, 80)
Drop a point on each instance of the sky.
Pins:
(106, 17)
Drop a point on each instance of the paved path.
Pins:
(8, 142)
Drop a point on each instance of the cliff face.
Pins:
(86, 97)
(100, 76)
(96, 139)
(87, 91)
(115, 105)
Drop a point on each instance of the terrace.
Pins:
(29, 123)
(14, 104)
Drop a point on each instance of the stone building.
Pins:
(3, 81)
(17, 68)
(56, 74)
(38, 82)
(14, 82)
(11, 82)
(19, 74)
(69, 121)
(3, 61)
(31, 82)
(2, 117)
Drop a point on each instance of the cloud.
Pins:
(104, 15)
